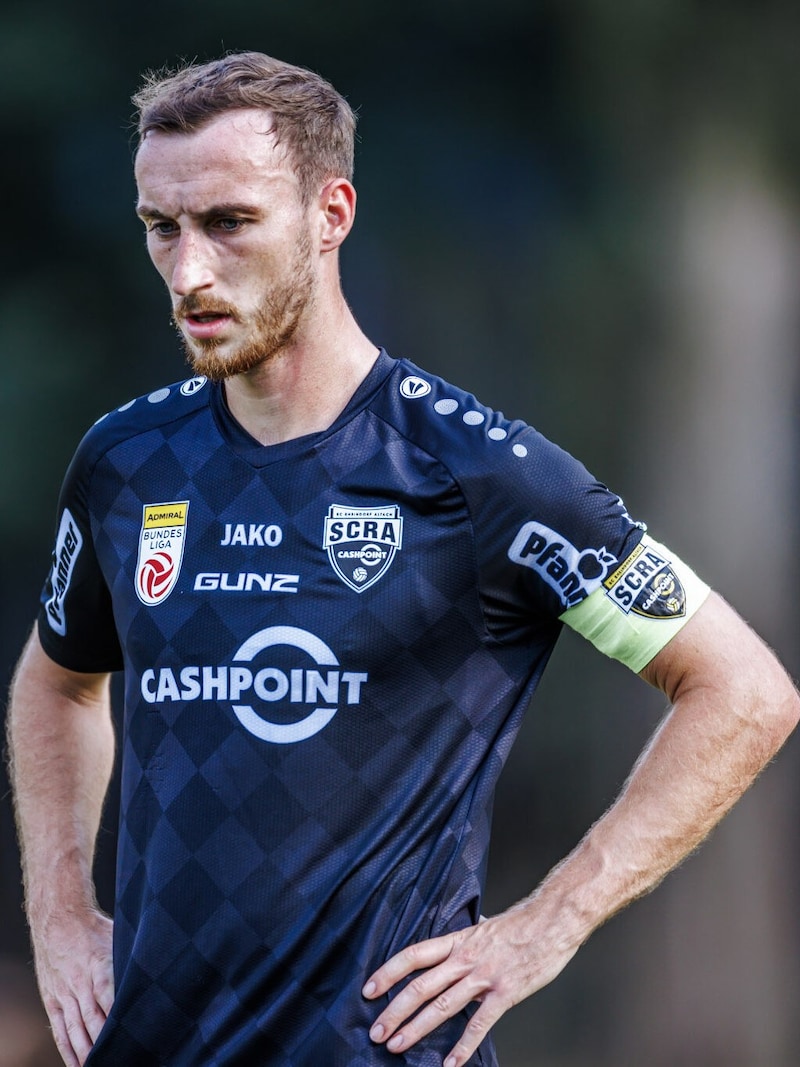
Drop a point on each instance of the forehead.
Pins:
(234, 154)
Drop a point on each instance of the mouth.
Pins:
(205, 325)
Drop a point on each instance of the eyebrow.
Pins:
(216, 211)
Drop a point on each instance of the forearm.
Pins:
(732, 708)
(717, 738)
(61, 747)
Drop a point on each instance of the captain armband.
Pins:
(640, 605)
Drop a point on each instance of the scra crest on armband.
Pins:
(647, 585)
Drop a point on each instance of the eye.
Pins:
(162, 227)
(228, 224)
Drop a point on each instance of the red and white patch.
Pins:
(161, 543)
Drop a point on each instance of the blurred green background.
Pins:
(585, 212)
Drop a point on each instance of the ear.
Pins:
(337, 211)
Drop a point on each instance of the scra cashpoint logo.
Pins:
(362, 542)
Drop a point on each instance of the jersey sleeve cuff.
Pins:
(640, 606)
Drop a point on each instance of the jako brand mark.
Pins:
(413, 387)
(325, 684)
(254, 533)
(571, 572)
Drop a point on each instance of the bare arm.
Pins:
(733, 707)
(61, 745)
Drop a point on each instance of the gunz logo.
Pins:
(646, 584)
(572, 574)
(161, 543)
(225, 582)
(324, 684)
(69, 542)
(362, 542)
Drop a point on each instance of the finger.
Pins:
(448, 1003)
(77, 1040)
(424, 988)
(424, 954)
(476, 1031)
(93, 1017)
(104, 988)
(105, 998)
(61, 1038)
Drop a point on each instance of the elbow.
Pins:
(787, 713)
(774, 708)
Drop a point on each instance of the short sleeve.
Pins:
(548, 533)
(573, 554)
(76, 622)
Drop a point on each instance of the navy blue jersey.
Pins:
(327, 645)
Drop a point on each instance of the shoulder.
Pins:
(477, 444)
(151, 412)
(448, 421)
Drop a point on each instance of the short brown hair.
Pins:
(313, 121)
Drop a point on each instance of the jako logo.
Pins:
(573, 574)
(293, 685)
(413, 387)
(193, 385)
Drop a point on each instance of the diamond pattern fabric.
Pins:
(308, 765)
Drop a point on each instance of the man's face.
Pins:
(230, 236)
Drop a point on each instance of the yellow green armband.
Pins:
(640, 606)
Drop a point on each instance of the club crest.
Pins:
(647, 584)
(161, 542)
(361, 542)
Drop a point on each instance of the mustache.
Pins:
(197, 304)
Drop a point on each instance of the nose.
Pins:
(191, 268)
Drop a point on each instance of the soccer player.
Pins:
(332, 581)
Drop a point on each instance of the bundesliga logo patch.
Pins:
(361, 542)
(161, 543)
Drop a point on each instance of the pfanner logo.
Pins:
(299, 679)
(69, 542)
(161, 543)
(572, 573)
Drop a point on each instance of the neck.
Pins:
(303, 388)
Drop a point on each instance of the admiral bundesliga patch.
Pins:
(362, 542)
(161, 543)
(646, 584)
